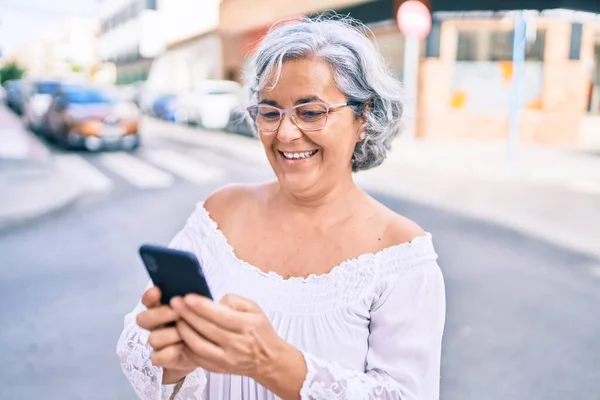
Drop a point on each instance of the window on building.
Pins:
(151, 4)
(495, 45)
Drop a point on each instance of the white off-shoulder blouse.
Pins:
(369, 329)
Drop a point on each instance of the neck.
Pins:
(321, 203)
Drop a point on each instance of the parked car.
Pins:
(87, 117)
(15, 95)
(163, 107)
(209, 105)
(38, 99)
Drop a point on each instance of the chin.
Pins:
(298, 183)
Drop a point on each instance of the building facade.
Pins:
(465, 87)
(130, 37)
(465, 69)
(192, 45)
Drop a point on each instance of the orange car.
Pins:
(86, 117)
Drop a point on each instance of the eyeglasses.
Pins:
(308, 117)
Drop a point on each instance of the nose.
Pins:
(288, 130)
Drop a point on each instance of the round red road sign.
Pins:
(414, 19)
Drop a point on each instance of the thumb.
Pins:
(239, 303)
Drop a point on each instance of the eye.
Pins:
(311, 112)
(269, 114)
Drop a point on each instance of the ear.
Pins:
(362, 121)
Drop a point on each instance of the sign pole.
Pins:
(414, 21)
(519, 43)
(410, 78)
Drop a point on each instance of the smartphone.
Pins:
(174, 272)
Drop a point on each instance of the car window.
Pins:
(45, 87)
(87, 96)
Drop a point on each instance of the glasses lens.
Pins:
(265, 117)
(311, 116)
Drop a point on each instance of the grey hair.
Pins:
(358, 69)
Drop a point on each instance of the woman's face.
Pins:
(304, 81)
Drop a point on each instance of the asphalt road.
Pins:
(523, 316)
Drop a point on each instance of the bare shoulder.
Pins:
(230, 201)
(399, 229)
(227, 199)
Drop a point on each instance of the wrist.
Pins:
(171, 376)
(285, 373)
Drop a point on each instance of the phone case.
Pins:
(175, 272)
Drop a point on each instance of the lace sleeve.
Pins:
(134, 351)
(403, 361)
(146, 379)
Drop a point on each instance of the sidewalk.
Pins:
(553, 194)
(30, 185)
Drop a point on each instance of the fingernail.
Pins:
(191, 299)
(176, 302)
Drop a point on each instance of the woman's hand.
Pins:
(231, 337)
(167, 343)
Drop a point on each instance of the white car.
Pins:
(209, 105)
(39, 97)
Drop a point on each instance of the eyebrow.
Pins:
(302, 100)
(269, 103)
(308, 99)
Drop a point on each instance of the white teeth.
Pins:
(305, 154)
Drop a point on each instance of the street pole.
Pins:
(519, 43)
(414, 21)
(410, 79)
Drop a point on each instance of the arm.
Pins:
(134, 353)
(403, 361)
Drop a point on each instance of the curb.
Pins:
(56, 194)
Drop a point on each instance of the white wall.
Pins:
(186, 18)
(123, 38)
(146, 30)
(178, 69)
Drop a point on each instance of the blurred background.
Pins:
(117, 116)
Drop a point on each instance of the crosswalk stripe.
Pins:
(245, 166)
(189, 168)
(136, 171)
(84, 173)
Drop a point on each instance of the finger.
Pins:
(169, 357)
(161, 338)
(203, 326)
(151, 297)
(219, 314)
(199, 345)
(239, 303)
(202, 362)
(156, 317)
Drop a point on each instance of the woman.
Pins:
(320, 291)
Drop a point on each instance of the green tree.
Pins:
(10, 71)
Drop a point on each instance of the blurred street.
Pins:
(522, 313)
(118, 116)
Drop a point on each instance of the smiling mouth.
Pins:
(298, 156)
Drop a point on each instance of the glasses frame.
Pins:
(289, 111)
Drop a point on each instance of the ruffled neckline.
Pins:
(402, 252)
